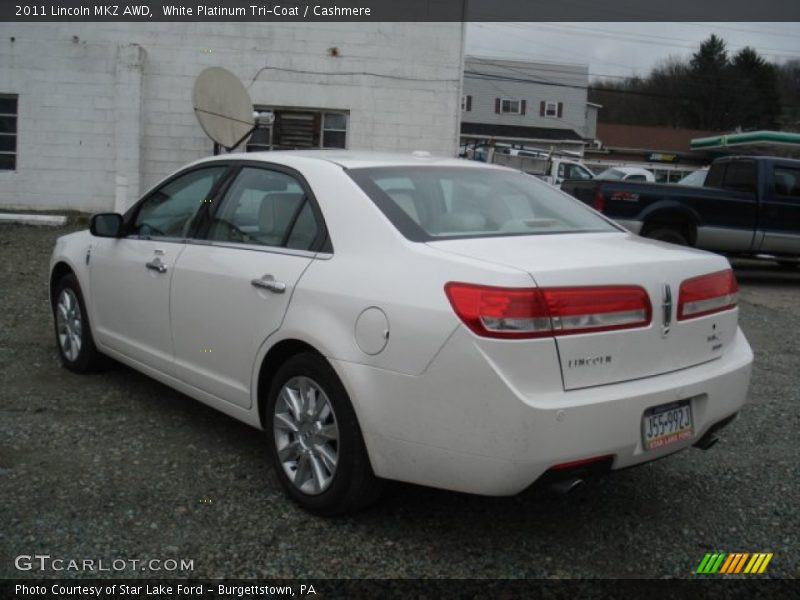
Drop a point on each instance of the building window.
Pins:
(334, 130)
(551, 110)
(8, 132)
(466, 103)
(299, 128)
(509, 106)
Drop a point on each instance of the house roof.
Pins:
(519, 131)
(648, 138)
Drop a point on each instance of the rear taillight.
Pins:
(543, 312)
(600, 308)
(707, 294)
(598, 200)
(500, 312)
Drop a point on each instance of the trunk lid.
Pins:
(600, 259)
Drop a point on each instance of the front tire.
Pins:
(73, 333)
(317, 449)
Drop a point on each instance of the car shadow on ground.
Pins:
(423, 507)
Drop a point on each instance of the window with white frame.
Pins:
(551, 109)
(510, 106)
(8, 132)
(297, 128)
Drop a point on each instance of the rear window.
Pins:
(429, 203)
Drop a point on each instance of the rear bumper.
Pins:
(464, 425)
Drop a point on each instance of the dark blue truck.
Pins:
(748, 206)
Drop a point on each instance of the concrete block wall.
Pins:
(105, 109)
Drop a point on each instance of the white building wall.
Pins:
(548, 82)
(105, 109)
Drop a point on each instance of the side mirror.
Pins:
(106, 225)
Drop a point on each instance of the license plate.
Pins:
(667, 424)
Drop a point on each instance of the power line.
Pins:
(559, 57)
(646, 39)
(495, 77)
(758, 31)
(720, 82)
(651, 40)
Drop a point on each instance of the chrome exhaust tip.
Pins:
(706, 442)
(566, 486)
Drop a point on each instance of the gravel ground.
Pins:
(115, 465)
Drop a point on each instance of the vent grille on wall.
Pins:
(296, 129)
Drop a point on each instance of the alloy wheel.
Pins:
(69, 324)
(306, 435)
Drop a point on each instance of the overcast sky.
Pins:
(624, 49)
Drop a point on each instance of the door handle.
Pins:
(267, 282)
(156, 265)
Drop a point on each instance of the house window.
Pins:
(510, 106)
(551, 110)
(466, 103)
(295, 128)
(8, 132)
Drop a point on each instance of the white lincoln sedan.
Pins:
(434, 321)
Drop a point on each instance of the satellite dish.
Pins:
(223, 107)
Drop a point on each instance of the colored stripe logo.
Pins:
(734, 563)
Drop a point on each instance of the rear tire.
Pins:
(667, 234)
(317, 448)
(73, 333)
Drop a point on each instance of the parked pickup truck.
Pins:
(747, 206)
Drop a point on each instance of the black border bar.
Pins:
(706, 587)
(279, 11)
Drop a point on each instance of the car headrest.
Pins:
(276, 210)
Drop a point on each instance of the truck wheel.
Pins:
(667, 234)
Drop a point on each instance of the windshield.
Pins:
(428, 203)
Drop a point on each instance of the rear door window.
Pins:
(265, 207)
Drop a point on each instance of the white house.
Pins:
(527, 103)
(91, 113)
